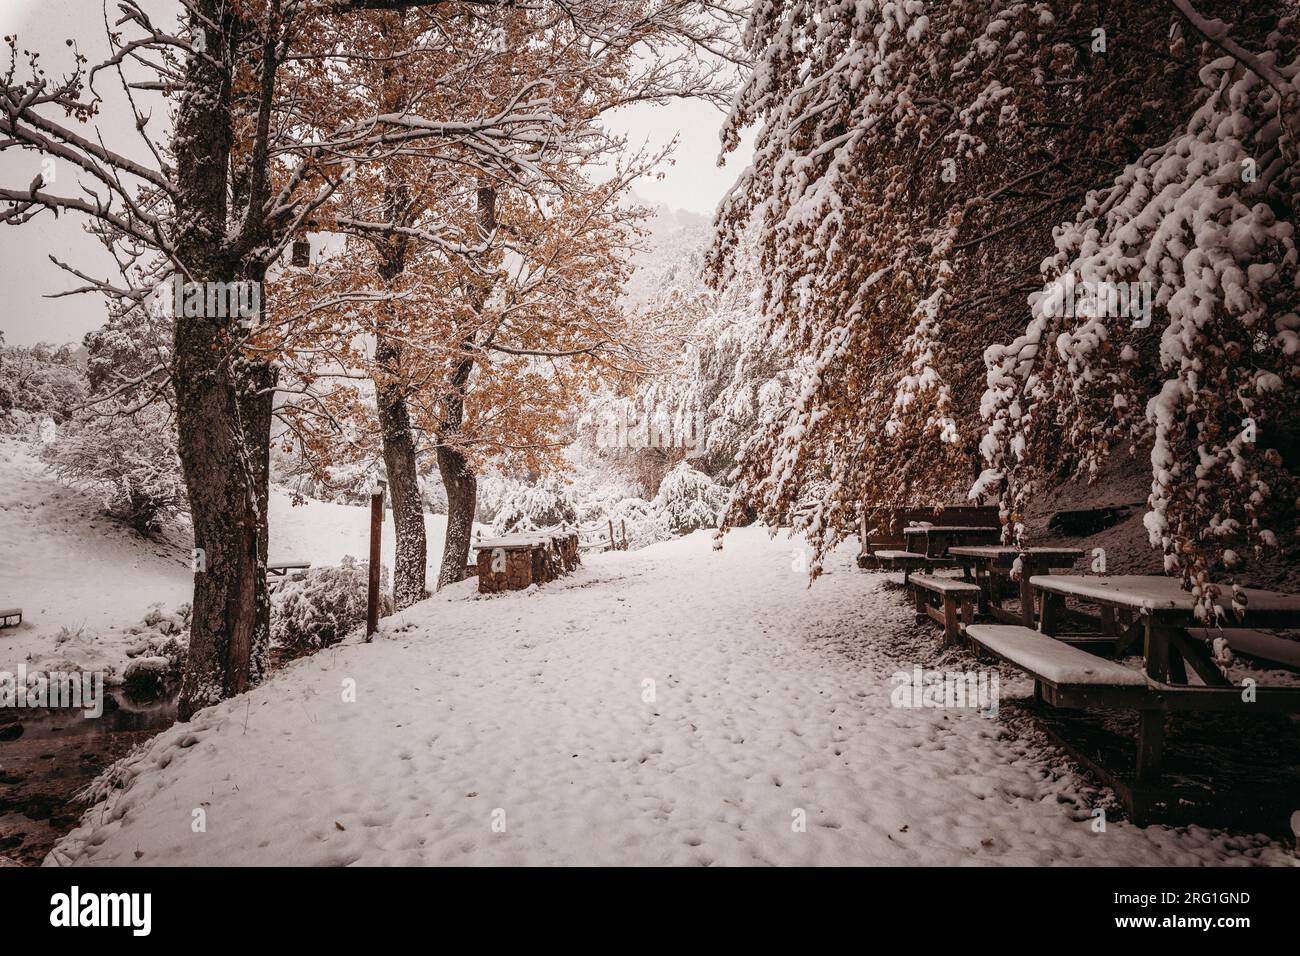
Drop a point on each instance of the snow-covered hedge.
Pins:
(323, 606)
(638, 519)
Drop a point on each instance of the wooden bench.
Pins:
(1064, 676)
(11, 616)
(992, 566)
(280, 570)
(1067, 676)
(906, 561)
(953, 596)
(1255, 644)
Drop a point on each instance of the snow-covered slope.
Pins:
(673, 705)
(83, 580)
(66, 564)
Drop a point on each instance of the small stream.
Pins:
(47, 756)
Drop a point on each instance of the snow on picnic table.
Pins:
(532, 710)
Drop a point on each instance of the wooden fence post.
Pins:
(372, 591)
(611, 533)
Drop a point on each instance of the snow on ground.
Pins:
(85, 582)
(522, 729)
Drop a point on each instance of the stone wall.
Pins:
(516, 566)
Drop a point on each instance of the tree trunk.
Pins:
(462, 501)
(223, 404)
(223, 425)
(403, 476)
(457, 475)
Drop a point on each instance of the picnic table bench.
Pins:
(887, 533)
(280, 570)
(934, 541)
(1172, 641)
(927, 547)
(992, 566)
(953, 596)
(11, 616)
(896, 560)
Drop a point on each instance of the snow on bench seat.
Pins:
(891, 555)
(945, 585)
(1049, 659)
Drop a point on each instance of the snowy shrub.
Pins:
(533, 507)
(688, 500)
(434, 494)
(636, 518)
(129, 461)
(39, 382)
(323, 606)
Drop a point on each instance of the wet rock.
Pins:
(146, 677)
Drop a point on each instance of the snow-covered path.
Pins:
(522, 730)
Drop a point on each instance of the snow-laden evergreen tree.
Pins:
(535, 507)
(688, 500)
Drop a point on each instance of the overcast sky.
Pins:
(693, 181)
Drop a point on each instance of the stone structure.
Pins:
(514, 562)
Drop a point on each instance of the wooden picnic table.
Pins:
(1165, 618)
(993, 562)
(280, 570)
(935, 541)
(1173, 639)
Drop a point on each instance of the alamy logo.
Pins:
(133, 910)
(1071, 298)
(628, 427)
(217, 300)
(974, 690)
(76, 689)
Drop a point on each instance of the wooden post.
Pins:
(622, 524)
(612, 543)
(1150, 745)
(950, 630)
(372, 591)
(1027, 593)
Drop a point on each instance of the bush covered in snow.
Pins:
(130, 461)
(688, 500)
(637, 518)
(533, 507)
(319, 609)
(38, 383)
